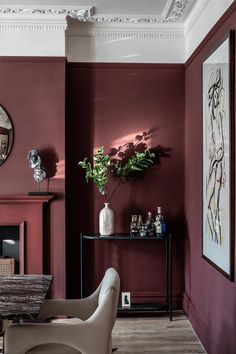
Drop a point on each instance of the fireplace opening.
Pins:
(11, 247)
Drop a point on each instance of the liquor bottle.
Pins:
(133, 226)
(160, 226)
(139, 224)
(149, 223)
(143, 231)
(159, 215)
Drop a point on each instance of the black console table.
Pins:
(137, 308)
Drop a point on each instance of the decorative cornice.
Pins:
(80, 14)
(41, 18)
(165, 35)
(175, 13)
(22, 26)
(178, 10)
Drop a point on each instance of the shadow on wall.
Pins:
(49, 160)
(139, 144)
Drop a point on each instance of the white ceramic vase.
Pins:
(106, 221)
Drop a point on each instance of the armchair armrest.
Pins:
(20, 338)
(80, 308)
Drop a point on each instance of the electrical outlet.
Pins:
(125, 299)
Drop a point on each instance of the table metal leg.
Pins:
(167, 273)
(170, 277)
(81, 265)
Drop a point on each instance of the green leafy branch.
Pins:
(99, 172)
(136, 163)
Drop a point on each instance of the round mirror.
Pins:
(6, 135)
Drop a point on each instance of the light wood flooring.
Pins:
(155, 335)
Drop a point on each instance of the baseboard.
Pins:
(203, 333)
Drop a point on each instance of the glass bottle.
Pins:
(133, 226)
(158, 221)
(159, 214)
(149, 223)
(140, 223)
(160, 226)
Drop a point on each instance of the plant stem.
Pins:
(105, 195)
(115, 189)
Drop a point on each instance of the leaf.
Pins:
(135, 168)
(138, 137)
(113, 152)
(121, 154)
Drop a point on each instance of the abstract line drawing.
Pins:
(217, 156)
(216, 177)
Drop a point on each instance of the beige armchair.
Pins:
(88, 331)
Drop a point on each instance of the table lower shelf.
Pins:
(142, 308)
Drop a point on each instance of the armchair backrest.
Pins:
(91, 334)
(111, 280)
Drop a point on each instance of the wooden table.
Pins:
(21, 296)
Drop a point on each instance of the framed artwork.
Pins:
(125, 300)
(218, 156)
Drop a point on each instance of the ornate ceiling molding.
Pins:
(75, 13)
(175, 13)
(135, 34)
(33, 26)
(178, 10)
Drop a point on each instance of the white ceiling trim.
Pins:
(194, 15)
(81, 12)
(165, 35)
(174, 12)
(46, 25)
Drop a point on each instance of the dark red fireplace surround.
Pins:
(27, 212)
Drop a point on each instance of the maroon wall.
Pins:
(32, 91)
(210, 299)
(108, 104)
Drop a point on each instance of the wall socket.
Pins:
(125, 299)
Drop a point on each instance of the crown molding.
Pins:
(194, 16)
(41, 18)
(173, 13)
(22, 26)
(125, 34)
(81, 12)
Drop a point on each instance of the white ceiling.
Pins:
(141, 31)
(161, 11)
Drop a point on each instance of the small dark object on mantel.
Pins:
(40, 193)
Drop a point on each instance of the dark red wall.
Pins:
(210, 299)
(108, 104)
(32, 91)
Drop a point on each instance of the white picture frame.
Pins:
(218, 156)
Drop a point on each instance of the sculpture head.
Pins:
(34, 159)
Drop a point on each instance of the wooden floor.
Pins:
(155, 335)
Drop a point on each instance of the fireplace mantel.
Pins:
(25, 198)
(34, 212)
